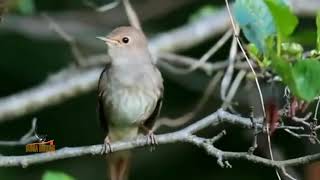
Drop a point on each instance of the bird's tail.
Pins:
(119, 164)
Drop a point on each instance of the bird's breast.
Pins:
(130, 106)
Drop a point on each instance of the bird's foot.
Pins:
(152, 140)
(106, 146)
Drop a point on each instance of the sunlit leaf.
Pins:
(285, 20)
(53, 175)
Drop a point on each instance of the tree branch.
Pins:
(72, 82)
(185, 135)
(29, 137)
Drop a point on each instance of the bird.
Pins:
(130, 93)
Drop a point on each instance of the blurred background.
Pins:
(30, 52)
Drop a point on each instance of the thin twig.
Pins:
(296, 134)
(205, 57)
(316, 112)
(233, 89)
(29, 137)
(78, 56)
(188, 116)
(303, 119)
(225, 83)
(207, 67)
(132, 15)
(108, 6)
(286, 174)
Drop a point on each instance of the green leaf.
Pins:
(318, 30)
(255, 21)
(54, 175)
(302, 78)
(26, 6)
(285, 20)
(284, 70)
(306, 76)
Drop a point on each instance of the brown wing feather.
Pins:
(149, 123)
(100, 106)
(152, 118)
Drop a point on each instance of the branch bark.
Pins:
(185, 135)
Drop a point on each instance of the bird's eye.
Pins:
(125, 40)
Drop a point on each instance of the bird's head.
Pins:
(125, 41)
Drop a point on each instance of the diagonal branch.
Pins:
(71, 83)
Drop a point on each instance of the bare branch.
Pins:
(64, 85)
(225, 83)
(132, 15)
(207, 67)
(303, 119)
(184, 135)
(188, 116)
(233, 89)
(315, 117)
(205, 57)
(108, 6)
(78, 57)
(29, 137)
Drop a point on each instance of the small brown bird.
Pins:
(129, 94)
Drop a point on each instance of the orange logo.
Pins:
(42, 146)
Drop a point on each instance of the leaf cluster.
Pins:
(268, 25)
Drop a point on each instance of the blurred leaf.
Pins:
(318, 30)
(284, 70)
(203, 11)
(306, 76)
(53, 175)
(285, 20)
(255, 20)
(302, 78)
(292, 50)
(26, 6)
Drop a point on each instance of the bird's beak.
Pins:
(108, 40)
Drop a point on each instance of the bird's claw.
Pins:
(152, 140)
(106, 147)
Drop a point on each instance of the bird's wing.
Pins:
(100, 106)
(153, 116)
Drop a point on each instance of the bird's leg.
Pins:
(151, 137)
(106, 146)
